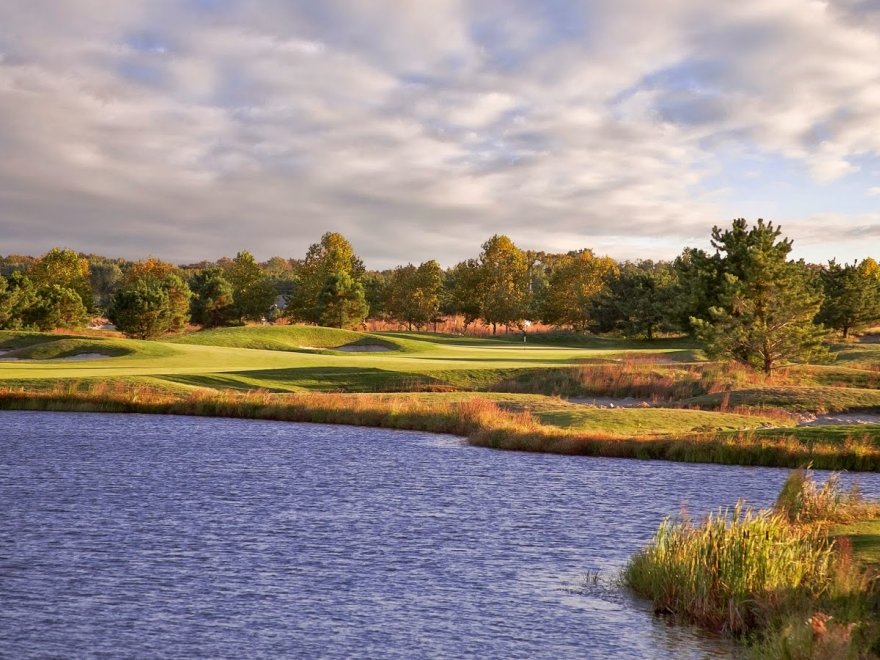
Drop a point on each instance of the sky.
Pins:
(193, 129)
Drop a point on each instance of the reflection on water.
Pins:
(156, 536)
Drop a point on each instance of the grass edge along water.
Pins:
(774, 578)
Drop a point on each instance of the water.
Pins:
(154, 536)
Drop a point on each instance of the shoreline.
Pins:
(480, 421)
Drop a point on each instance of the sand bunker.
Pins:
(839, 418)
(609, 402)
(363, 348)
(85, 356)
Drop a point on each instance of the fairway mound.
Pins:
(59, 349)
(295, 338)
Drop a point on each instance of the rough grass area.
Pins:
(782, 579)
(703, 411)
(484, 422)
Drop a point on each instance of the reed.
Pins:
(482, 421)
(774, 577)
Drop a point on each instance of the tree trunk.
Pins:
(494, 328)
(845, 331)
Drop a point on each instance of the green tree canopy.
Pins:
(852, 295)
(142, 309)
(155, 290)
(463, 285)
(212, 301)
(767, 304)
(638, 301)
(56, 306)
(503, 283)
(17, 296)
(64, 268)
(252, 291)
(332, 256)
(414, 293)
(341, 302)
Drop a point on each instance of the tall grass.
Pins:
(650, 379)
(774, 575)
(730, 571)
(484, 422)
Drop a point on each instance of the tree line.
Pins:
(745, 299)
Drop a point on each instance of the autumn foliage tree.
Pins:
(332, 257)
(574, 283)
(152, 300)
(503, 283)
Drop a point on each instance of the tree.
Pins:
(332, 256)
(104, 277)
(414, 293)
(341, 302)
(573, 285)
(166, 276)
(376, 285)
(252, 291)
(66, 269)
(17, 296)
(142, 309)
(212, 301)
(637, 301)
(463, 284)
(852, 296)
(767, 303)
(152, 300)
(503, 283)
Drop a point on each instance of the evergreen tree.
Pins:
(212, 301)
(142, 309)
(17, 296)
(852, 296)
(341, 302)
(767, 303)
(637, 301)
(138, 290)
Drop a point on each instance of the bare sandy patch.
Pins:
(84, 356)
(610, 402)
(363, 348)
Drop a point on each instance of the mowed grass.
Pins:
(446, 369)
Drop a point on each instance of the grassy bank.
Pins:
(779, 579)
(700, 411)
(485, 422)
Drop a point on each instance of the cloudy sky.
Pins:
(191, 129)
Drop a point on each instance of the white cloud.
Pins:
(143, 127)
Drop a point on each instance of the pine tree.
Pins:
(767, 304)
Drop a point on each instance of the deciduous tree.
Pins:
(503, 283)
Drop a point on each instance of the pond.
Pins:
(161, 536)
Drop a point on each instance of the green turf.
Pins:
(304, 358)
(865, 538)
